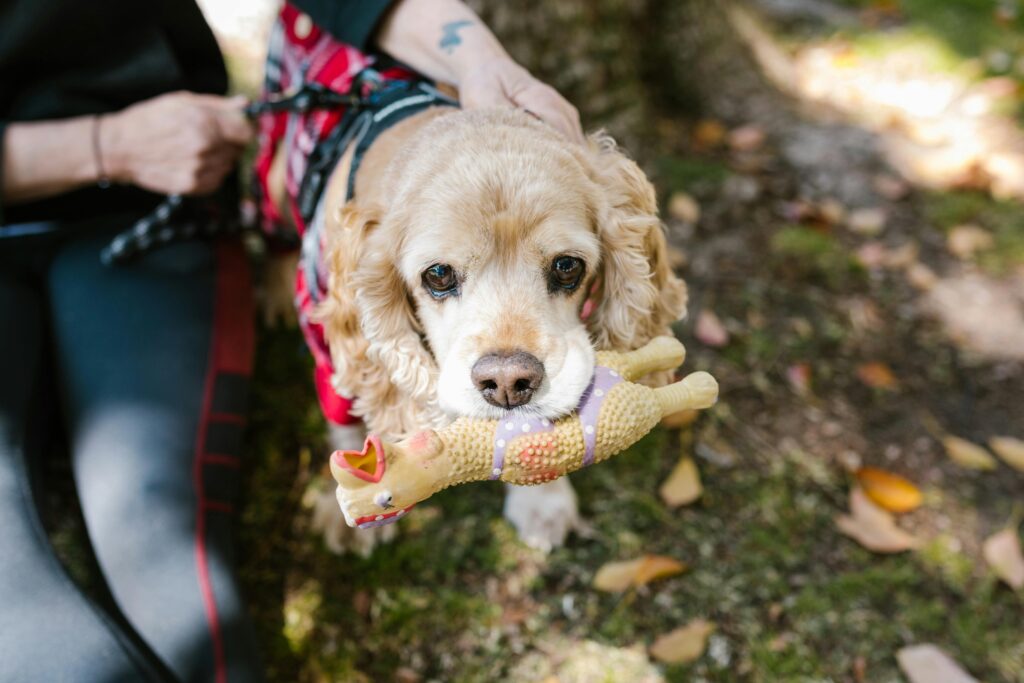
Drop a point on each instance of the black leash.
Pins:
(178, 218)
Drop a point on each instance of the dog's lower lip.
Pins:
(380, 520)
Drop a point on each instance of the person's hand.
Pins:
(501, 82)
(179, 143)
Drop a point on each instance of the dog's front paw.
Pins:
(339, 537)
(327, 517)
(543, 515)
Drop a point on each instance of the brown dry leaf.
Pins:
(873, 527)
(868, 222)
(747, 138)
(1010, 450)
(615, 577)
(928, 664)
(683, 207)
(684, 418)
(799, 377)
(683, 485)
(921, 277)
(964, 241)
(710, 330)
(891, 491)
(1003, 554)
(877, 375)
(891, 187)
(708, 133)
(967, 454)
(684, 644)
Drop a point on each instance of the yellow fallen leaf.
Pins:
(928, 664)
(683, 485)
(684, 644)
(615, 577)
(873, 527)
(891, 491)
(967, 454)
(1003, 554)
(656, 567)
(876, 375)
(1011, 450)
(708, 133)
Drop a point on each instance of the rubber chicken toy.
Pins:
(379, 484)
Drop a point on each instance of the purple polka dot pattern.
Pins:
(590, 408)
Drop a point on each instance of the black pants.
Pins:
(147, 365)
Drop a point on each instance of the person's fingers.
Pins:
(234, 126)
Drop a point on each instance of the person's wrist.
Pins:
(115, 154)
(486, 59)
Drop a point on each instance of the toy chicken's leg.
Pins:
(661, 353)
(693, 392)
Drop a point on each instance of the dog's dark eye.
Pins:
(440, 280)
(566, 273)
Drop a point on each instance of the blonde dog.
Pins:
(482, 262)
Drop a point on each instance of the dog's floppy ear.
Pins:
(387, 318)
(640, 296)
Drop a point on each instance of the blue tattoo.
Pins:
(450, 37)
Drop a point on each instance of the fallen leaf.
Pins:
(877, 375)
(868, 222)
(615, 577)
(1003, 554)
(683, 485)
(710, 330)
(684, 644)
(1011, 450)
(872, 255)
(967, 454)
(921, 277)
(708, 133)
(683, 418)
(799, 377)
(832, 211)
(873, 527)
(891, 491)
(964, 241)
(891, 187)
(747, 138)
(656, 567)
(683, 207)
(928, 664)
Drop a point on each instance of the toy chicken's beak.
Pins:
(367, 465)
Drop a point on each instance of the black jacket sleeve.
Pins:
(350, 21)
(3, 131)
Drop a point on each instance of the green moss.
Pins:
(689, 174)
(1004, 219)
(807, 253)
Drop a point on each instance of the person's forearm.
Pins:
(47, 158)
(443, 39)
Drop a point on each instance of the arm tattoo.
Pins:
(450, 35)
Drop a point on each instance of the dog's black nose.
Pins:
(508, 378)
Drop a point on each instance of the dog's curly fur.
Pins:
(380, 348)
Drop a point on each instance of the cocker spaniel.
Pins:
(482, 262)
